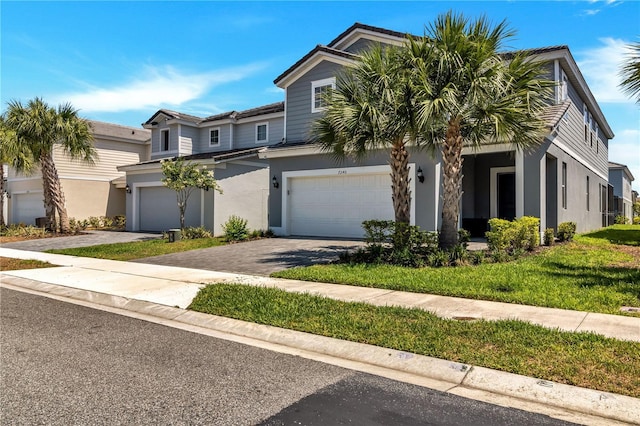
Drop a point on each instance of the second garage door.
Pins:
(336, 206)
(27, 207)
(159, 209)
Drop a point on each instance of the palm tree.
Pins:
(630, 72)
(42, 127)
(15, 154)
(370, 109)
(468, 94)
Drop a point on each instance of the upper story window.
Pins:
(564, 87)
(214, 137)
(318, 89)
(262, 132)
(564, 185)
(164, 140)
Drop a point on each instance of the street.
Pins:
(62, 363)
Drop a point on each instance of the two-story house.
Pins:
(90, 189)
(226, 143)
(563, 179)
(620, 179)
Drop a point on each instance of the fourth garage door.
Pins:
(336, 205)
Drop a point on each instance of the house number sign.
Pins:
(342, 172)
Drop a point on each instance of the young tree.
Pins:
(41, 127)
(468, 94)
(184, 178)
(630, 72)
(14, 153)
(371, 109)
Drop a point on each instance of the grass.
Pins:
(580, 359)
(617, 234)
(10, 264)
(589, 274)
(140, 249)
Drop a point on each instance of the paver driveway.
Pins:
(259, 257)
(87, 238)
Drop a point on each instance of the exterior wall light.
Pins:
(275, 183)
(127, 189)
(420, 175)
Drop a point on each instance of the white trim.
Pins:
(361, 33)
(284, 118)
(488, 149)
(250, 164)
(579, 159)
(211, 130)
(363, 170)
(519, 183)
(179, 139)
(266, 139)
(261, 117)
(314, 60)
(92, 179)
(161, 141)
(320, 83)
(293, 151)
(493, 188)
(543, 196)
(438, 185)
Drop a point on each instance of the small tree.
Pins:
(184, 178)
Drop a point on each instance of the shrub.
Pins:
(477, 257)
(458, 255)
(464, 237)
(107, 222)
(95, 222)
(21, 230)
(396, 243)
(566, 231)
(549, 237)
(621, 220)
(235, 229)
(192, 233)
(636, 220)
(513, 238)
(120, 221)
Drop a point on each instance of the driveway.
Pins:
(87, 238)
(259, 257)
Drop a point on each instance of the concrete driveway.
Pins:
(259, 257)
(87, 238)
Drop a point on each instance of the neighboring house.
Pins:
(90, 189)
(226, 143)
(620, 179)
(564, 179)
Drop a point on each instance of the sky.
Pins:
(121, 61)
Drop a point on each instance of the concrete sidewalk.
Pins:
(162, 292)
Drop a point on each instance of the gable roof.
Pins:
(623, 167)
(119, 132)
(235, 115)
(173, 115)
(318, 51)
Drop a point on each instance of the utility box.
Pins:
(174, 235)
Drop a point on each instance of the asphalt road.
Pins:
(66, 364)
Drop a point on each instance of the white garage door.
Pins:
(158, 209)
(27, 207)
(336, 206)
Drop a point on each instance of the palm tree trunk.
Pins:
(54, 197)
(452, 185)
(2, 222)
(401, 194)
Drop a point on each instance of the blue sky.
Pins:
(121, 61)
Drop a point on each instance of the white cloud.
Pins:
(158, 87)
(625, 149)
(600, 67)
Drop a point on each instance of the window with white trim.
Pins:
(585, 115)
(318, 90)
(214, 136)
(564, 87)
(262, 132)
(564, 185)
(164, 140)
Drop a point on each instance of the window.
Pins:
(318, 90)
(591, 123)
(564, 185)
(564, 87)
(164, 140)
(585, 114)
(587, 193)
(262, 132)
(214, 137)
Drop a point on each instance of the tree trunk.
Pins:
(54, 197)
(452, 184)
(401, 194)
(2, 222)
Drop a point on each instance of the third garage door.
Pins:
(336, 206)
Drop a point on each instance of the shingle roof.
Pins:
(175, 115)
(111, 130)
(262, 110)
(317, 49)
(553, 113)
(358, 25)
(216, 156)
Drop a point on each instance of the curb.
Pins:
(454, 375)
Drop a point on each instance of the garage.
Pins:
(159, 209)
(336, 205)
(27, 207)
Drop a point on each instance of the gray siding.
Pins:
(245, 133)
(298, 105)
(203, 142)
(188, 139)
(360, 45)
(155, 141)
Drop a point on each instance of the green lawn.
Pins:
(140, 249)
(580, 359)
(590, 274)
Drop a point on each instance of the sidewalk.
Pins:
(168, 290)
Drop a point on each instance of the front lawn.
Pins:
(589, 274)
(140, 249)
(10, 264)
(580, 359)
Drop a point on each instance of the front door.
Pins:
(507, 196)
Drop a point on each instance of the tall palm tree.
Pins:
(371, 109)
(469, 94)
(42, 127)
(630, 72)
(15, 154)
